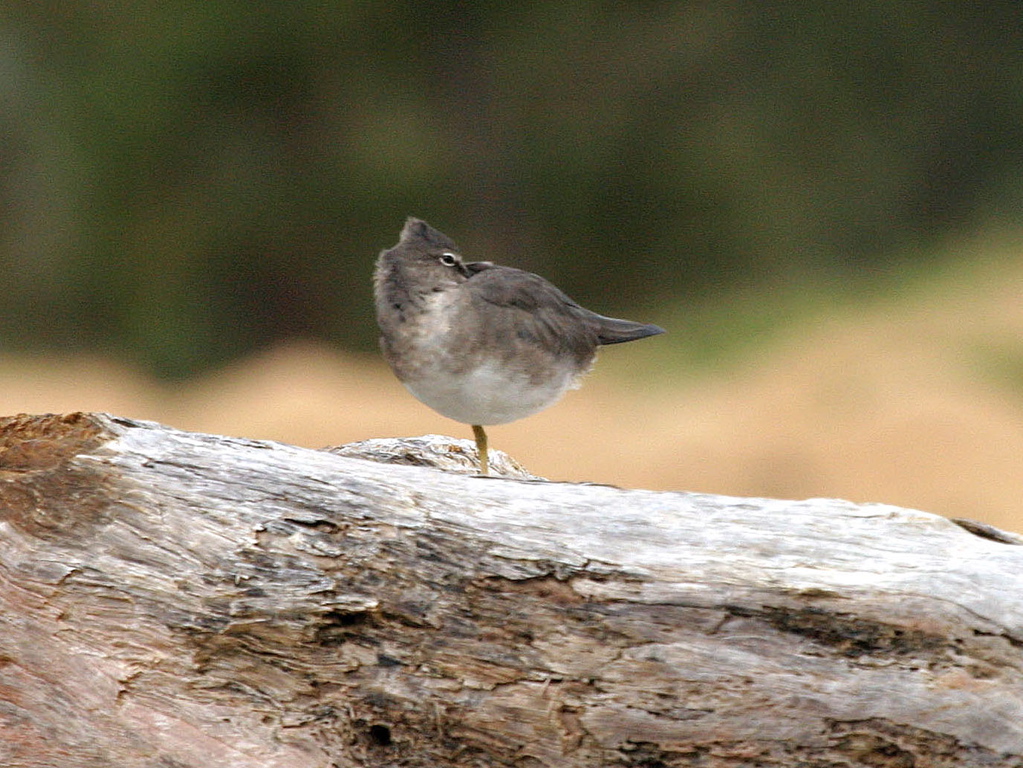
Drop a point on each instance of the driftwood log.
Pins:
(175, 599)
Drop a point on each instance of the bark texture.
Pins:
(177, 599)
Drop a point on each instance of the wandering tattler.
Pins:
(480, 343)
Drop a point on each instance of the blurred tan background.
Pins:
(821, 205)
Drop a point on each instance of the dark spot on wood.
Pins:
(1009, 638)
(44, 490)
(380, 735)
(30, 443)
(324, 526)
(989, 532)
(339, 627)
(544, 587)
(845, 634)
(871, 750)
(346, 618)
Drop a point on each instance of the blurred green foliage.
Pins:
(182, 181)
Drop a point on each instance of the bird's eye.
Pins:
(448, 259)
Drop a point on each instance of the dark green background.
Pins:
(182, 182)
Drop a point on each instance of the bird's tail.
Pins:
(611, 330)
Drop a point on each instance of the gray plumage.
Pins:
(481, 343)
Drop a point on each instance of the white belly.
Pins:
(489, 394)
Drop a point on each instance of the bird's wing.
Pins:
(543, 303)
(527, 305)
(510, 287)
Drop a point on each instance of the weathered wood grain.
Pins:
(175, 599)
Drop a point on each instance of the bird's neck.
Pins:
(395, 289)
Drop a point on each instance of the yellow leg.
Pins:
(481, 448)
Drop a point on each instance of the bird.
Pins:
(480, 343)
